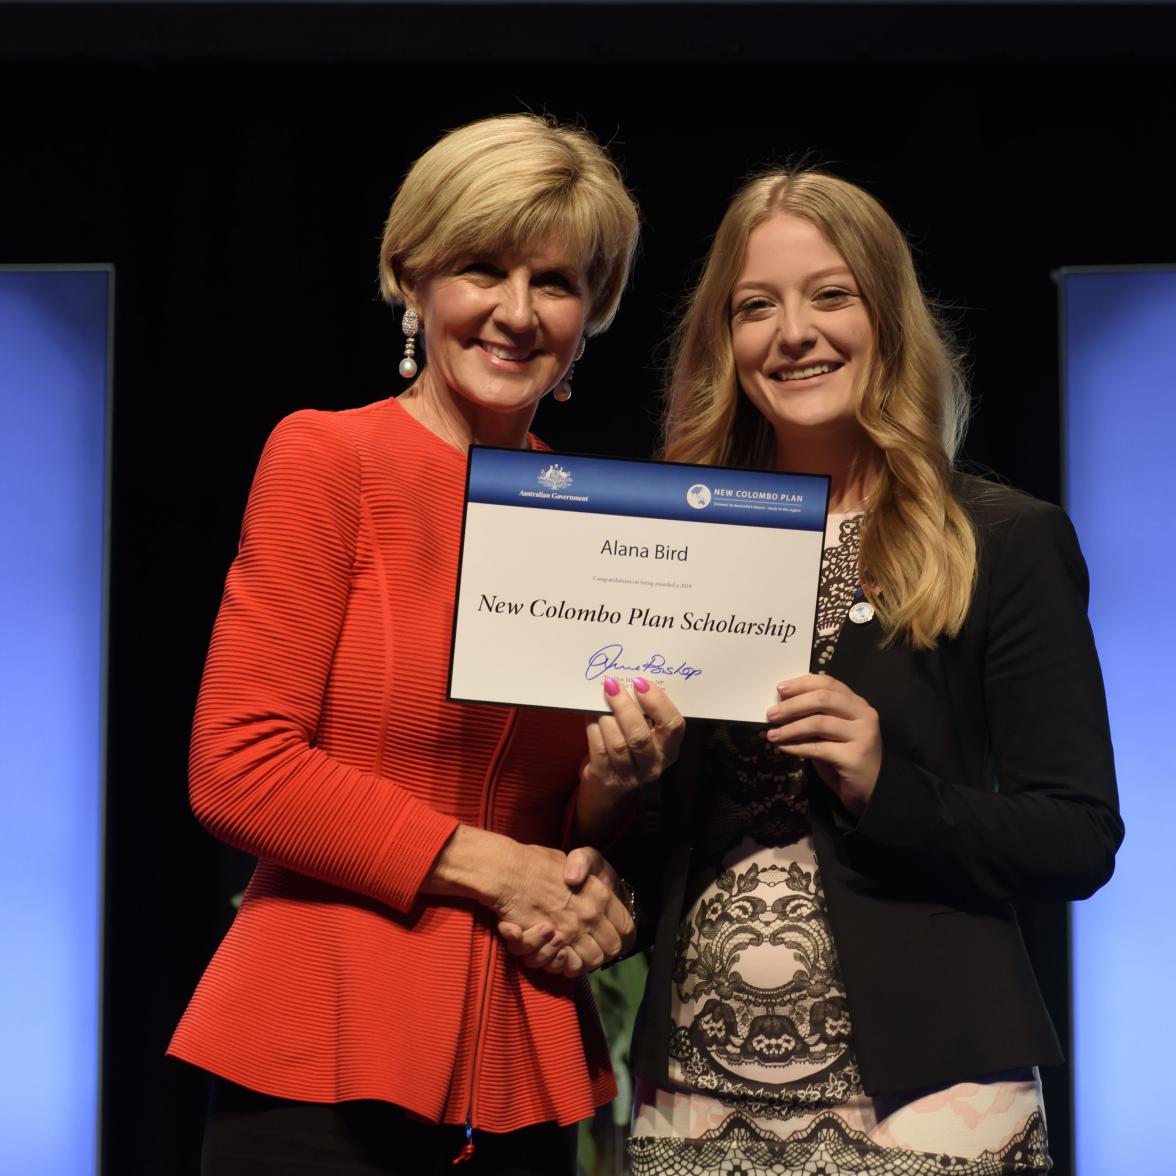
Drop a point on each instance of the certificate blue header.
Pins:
(656, 490)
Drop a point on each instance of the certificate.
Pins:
(574, 569)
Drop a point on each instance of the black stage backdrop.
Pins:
(235, 164)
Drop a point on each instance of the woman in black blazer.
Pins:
(838, 981)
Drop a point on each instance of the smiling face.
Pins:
(500, 330)
(801, 335)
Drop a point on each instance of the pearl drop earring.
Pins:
(410, 324)
(563, 390)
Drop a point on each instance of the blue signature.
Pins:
(607, 660)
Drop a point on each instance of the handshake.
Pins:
(566, 913)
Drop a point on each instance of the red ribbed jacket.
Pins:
(323, 745)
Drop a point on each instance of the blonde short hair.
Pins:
(918, 551)
(507, 183)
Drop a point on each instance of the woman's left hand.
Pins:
(630, 745)
(820, 718)
(635, 742)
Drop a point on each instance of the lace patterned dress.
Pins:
(763, 1077)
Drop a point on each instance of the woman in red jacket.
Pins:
(362, 1015)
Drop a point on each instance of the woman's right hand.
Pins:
(567, 905)
(563, 912)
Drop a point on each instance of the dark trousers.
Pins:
(251, 1134)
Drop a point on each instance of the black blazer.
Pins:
(997, 783)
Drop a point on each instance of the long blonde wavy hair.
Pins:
(918, 547)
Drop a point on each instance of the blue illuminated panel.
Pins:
(54, 396)
(1119, 336)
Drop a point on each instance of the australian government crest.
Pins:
(555, 477)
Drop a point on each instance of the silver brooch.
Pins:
(861, 613)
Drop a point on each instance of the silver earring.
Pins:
(563, 390)
(410, 324)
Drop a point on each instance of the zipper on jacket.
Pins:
(486, 815)
(467, 1152)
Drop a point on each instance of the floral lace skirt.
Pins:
(986, 1128)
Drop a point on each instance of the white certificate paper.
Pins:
(576, 568)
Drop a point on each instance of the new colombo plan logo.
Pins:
(555, 477)
(699, 496)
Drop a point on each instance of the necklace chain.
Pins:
(850, 509)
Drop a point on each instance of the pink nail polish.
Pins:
(640, 685)
(611, 687)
